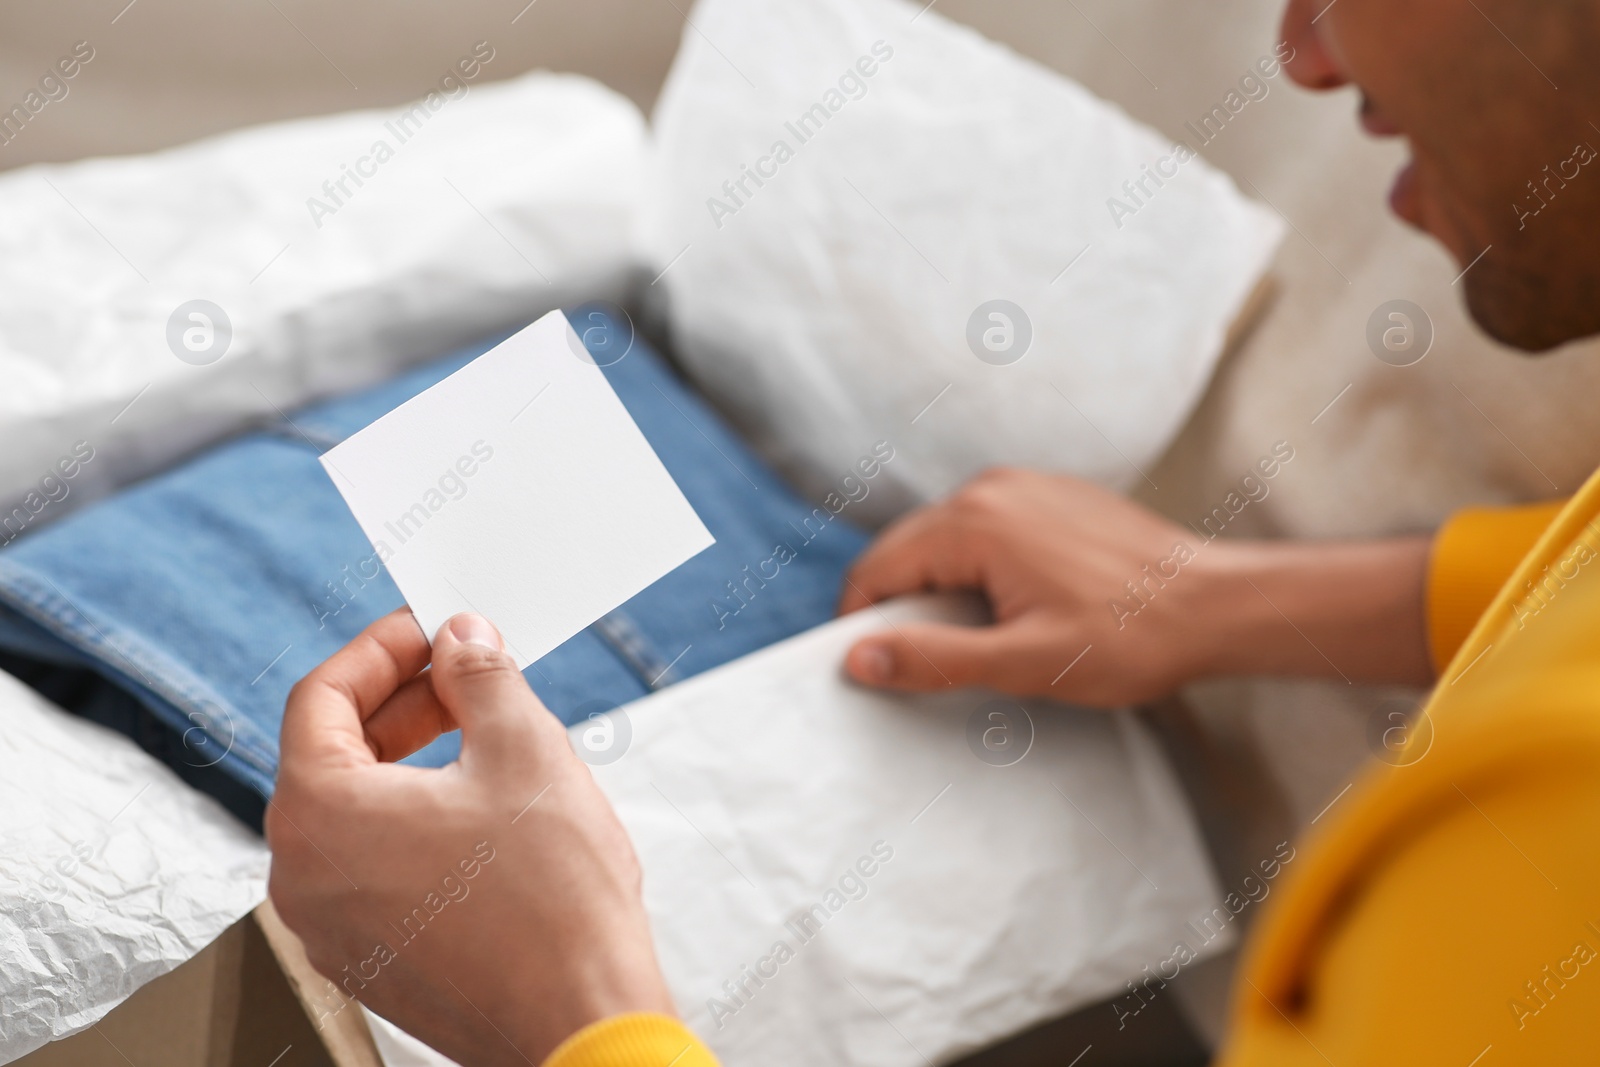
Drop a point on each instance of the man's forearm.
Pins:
(1350, 610)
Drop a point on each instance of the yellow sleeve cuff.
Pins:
(638, 1040)
(1474, 554)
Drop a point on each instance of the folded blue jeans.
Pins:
(188, 604)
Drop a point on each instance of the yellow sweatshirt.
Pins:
(1447, 910)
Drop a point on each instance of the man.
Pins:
(1447, 911)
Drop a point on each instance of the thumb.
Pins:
(477, 681)
(928, 657)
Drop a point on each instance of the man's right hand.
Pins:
(1098, 601)
(491, 907)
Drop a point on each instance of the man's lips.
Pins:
(1404, 198)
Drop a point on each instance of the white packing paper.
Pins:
(112, 870)
(999, 896)
(873, 222)
(516, 196)
(518, 488)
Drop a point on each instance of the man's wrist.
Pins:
(1350, 610)
(603, 985)
(1226, 618)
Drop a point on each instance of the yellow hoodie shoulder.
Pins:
(1449, 910)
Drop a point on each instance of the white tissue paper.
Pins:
(761, 794)
(834, 875)
(480, 208)
(112, 870)
(846, 187)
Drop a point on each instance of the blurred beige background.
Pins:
(1399, 449)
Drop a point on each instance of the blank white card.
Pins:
(518, 488)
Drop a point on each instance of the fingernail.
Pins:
(874, 663)
(472, 629)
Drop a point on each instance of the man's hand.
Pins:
(1098, 601)
(491, 907)
(1052, 555)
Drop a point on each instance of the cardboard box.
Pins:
(249, 999)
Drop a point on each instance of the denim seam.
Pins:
(618, 630)
(50, 610)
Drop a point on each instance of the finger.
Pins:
(322, 721)
(927, 657)
(925, 550)
(478, 683)
(863, 585)
(408, 721)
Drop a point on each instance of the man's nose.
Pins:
(1310, 65)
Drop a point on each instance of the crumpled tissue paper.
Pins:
(873, 222)
(836, 875)
(112, 870)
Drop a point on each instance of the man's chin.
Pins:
(1520, 307)
(1405, 198)
(1412, 204)
(1526, 311)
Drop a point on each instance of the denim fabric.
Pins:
(204, 593)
